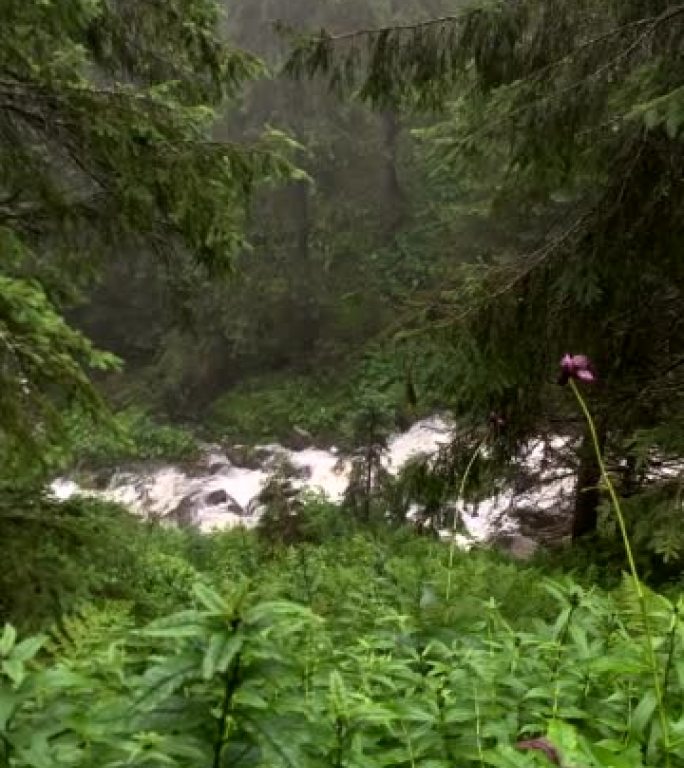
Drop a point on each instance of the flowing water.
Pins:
(217, 494)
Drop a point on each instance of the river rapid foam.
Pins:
(218, 494)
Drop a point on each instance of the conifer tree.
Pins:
(106, 113)
(576, 111)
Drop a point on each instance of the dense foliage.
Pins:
(106, 110)
(501, 184)
(344, 653)
(572, 114)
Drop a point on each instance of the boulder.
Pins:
(100, 479)
(284, 468)
(547, 526)
(214, 498)
(515, 545)
(298, 439)
(217, 467)
(185, 514)
(246, 457)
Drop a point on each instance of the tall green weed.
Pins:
(347, 653)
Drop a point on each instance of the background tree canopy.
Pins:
(329, 254)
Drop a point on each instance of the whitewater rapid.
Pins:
(217, 494)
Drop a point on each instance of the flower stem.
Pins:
(461, 492)
(632, 567)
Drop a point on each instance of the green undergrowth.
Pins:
(322, 410)
(400, 383)
(269, 409)
(233, 650)
(67, 555)
(129, 435)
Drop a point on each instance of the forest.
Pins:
(341, 383)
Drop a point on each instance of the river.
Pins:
(216, 493)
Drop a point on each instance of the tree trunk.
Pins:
(306, 320)
(302, 219)
(588, 493)
(393, 194)
(370, 460)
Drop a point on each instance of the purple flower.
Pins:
(577, 367)
(543, 745)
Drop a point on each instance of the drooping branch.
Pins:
(420, 63)
(369, 35)
(85, 141)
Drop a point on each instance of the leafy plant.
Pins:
(131, 435)
(394, 676)
(573, 371)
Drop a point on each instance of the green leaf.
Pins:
(14, 669)
(459, 714)
(248, 697)
(624, 756)
(178, 631)
(272, 611)
(211, 600)
(643, 714)
(561, 622)
(7, 640)
(563, 736)
(28, 648)
(183, 624)
(8, 703)
(220, 653)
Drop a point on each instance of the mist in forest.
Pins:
(330, 257)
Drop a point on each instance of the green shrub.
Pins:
(235, 680)
(271, 408)
(61, 556)
(327, 405)
(131, 435)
